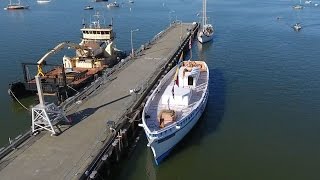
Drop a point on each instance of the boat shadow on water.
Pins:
(211, 118)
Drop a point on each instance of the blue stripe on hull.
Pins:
(163, 156)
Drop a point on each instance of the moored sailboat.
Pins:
(175, 106)
(298, 6)
(206, 31)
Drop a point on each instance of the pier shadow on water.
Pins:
(211, 118)
(138, 164)
(81, 115)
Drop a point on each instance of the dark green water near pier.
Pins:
(262, 117)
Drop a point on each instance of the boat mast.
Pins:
(203, 13)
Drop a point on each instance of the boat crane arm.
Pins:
(56, 49)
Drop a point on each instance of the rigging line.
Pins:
(72, 88)
(18, 100)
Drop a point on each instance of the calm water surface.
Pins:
(262, 117)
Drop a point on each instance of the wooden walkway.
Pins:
(67, 156)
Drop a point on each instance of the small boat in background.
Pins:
(297, 27)
(308, 2)
(131, 1)
(175, 106)
(114, 4)
(298, 6)
(43, 1)
(15, 6)
(88, 8)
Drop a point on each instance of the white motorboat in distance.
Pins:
(43, 1)
(88, 8)
(113, 4)
(298, 6)
(175, 106)
(205, 33)
(15, 6)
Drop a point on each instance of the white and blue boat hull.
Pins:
(162, 147)
(202, 38)
(171, 111)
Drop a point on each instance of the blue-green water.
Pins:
(262, 117)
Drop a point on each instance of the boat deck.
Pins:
(68, 155)
(73, 80)
(181, 111)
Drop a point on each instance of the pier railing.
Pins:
(14, 143)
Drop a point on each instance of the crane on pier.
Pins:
(56, 49)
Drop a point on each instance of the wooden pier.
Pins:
(103, 118)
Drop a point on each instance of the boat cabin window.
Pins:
(190, 80)
(102, 32)
(94, 32)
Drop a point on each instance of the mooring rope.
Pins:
(18, 100)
